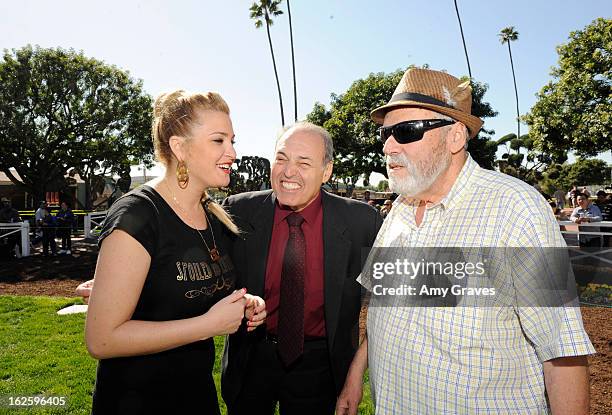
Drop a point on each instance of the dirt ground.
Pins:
(53, 275)
(59, 276)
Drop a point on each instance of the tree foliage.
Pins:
(357, 149)
(61, 112)
(582, 172)
(523, 160)
(481, 147)
(251, 173)
(383, 186)
(574, 111)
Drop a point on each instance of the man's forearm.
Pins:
(352, 391)
(567, 385)
(360, 361)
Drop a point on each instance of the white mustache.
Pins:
(400, 159)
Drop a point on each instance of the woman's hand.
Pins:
(228, 312)
(84, 290)
(255, 311)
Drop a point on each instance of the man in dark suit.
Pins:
(258, 371)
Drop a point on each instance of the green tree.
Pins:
(358, 151)
(522, 160)
(582, 172)
(467, 58)
(62, 112)
(589, 171)
(251, 173)
(508, 35)
(574, 111)
(383, 186)
(265, 9)
(482, 148)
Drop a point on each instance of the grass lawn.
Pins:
(42, 353)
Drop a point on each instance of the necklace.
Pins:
(214, 252)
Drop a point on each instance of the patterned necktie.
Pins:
(291, 311)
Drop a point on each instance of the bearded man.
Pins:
(510, 357)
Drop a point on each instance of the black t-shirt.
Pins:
(182, 282)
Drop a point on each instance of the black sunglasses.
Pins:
(410, 131)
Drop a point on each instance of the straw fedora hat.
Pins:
(435, 91)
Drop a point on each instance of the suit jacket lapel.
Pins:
(336, 249)
(258, 243)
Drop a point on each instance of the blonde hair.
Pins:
(174, 114)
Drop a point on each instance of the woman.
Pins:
(164, 283)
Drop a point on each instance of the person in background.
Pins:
(559, 196)
(559, 215)
(65, 221)
(387, 205)
(585, 192)
(48, 224)
(366, 196)
(40, 212)
(8, 214)
(571, 195)
(586, 212)
(604, 204)
(38, 217)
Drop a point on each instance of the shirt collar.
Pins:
(309, 213)
(457, 192)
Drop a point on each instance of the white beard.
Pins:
(419, 176)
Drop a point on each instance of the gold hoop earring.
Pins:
(182, 175)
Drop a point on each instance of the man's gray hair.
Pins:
(315, 129)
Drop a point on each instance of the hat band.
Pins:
(423, 99)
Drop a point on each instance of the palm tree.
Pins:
(292, 61)
(507, 35)
(265, 9)
(463, 39)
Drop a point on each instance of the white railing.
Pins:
(603, 250)
(93, 224)
(603, 224)
(18, 227)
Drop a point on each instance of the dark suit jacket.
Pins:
(349, 227)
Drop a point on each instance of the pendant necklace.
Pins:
(214, 252)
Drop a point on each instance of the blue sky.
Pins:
(213, 45)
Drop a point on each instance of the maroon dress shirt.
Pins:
(314, 317)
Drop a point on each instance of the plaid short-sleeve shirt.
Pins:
(471, 360)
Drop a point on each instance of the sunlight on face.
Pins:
(210, 149)
(298, 170)
(414, 167)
